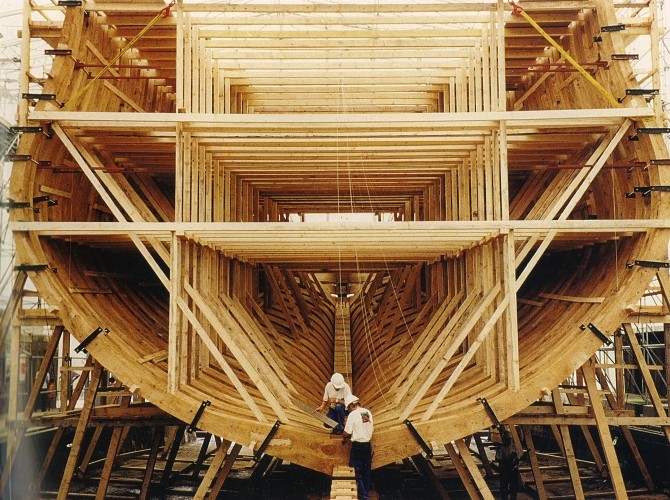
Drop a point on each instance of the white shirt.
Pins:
(359, 425)
(331, 393)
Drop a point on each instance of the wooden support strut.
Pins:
(84, 417)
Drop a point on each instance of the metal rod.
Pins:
(266, 442)
(424, 446)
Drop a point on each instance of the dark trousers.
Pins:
(360, 459)
(337, 414)
(509, 483)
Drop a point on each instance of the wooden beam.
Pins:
(225, 470)
(73, 456)
(472, 468)
(15, 297)
(469, 485)
(646, 375)
(567, 447)
(534, 465)
(257, 374)
(30, 405)
(159, 433)
(467, 357)
(588, 369)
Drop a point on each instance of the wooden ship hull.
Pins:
(186, 248)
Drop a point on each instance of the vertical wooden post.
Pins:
(511, 327)
(174, 342)
(30, 406)
(24, 78)
(176, 443)
(620, 374)
(13, 395)
(65, 362)
(534, 465)
(567, 447)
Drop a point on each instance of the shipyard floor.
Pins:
(285, 481)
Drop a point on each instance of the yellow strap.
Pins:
(567, 56)
(116, 58)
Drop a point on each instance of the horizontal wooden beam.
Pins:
(469, 230)
(459, 122)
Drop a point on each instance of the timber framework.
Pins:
(447, 202)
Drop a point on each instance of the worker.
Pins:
(359, 430)
(508, 464)
(333, 397)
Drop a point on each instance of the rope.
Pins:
(518, 11)
(164, 12)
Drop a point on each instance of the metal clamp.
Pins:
(90, 338)
(424, 446)
(491, 413)
(266, 442)
(192, 427)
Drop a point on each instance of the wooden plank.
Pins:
(469, 485)
(472, 468)
(105, 475)
(159, 433)
(311, 411)
(225, 470)
(588, 369)
(78, 439)
(569, 452)
(13, 303)
(534, 465)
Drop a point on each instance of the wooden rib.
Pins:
(463, 363)
(424, 380)
(257, 374)
(204, 337)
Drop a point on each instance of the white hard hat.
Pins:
(337, 380)
(350, 399)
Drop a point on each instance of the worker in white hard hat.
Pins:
(333, 397)
(359, 430)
